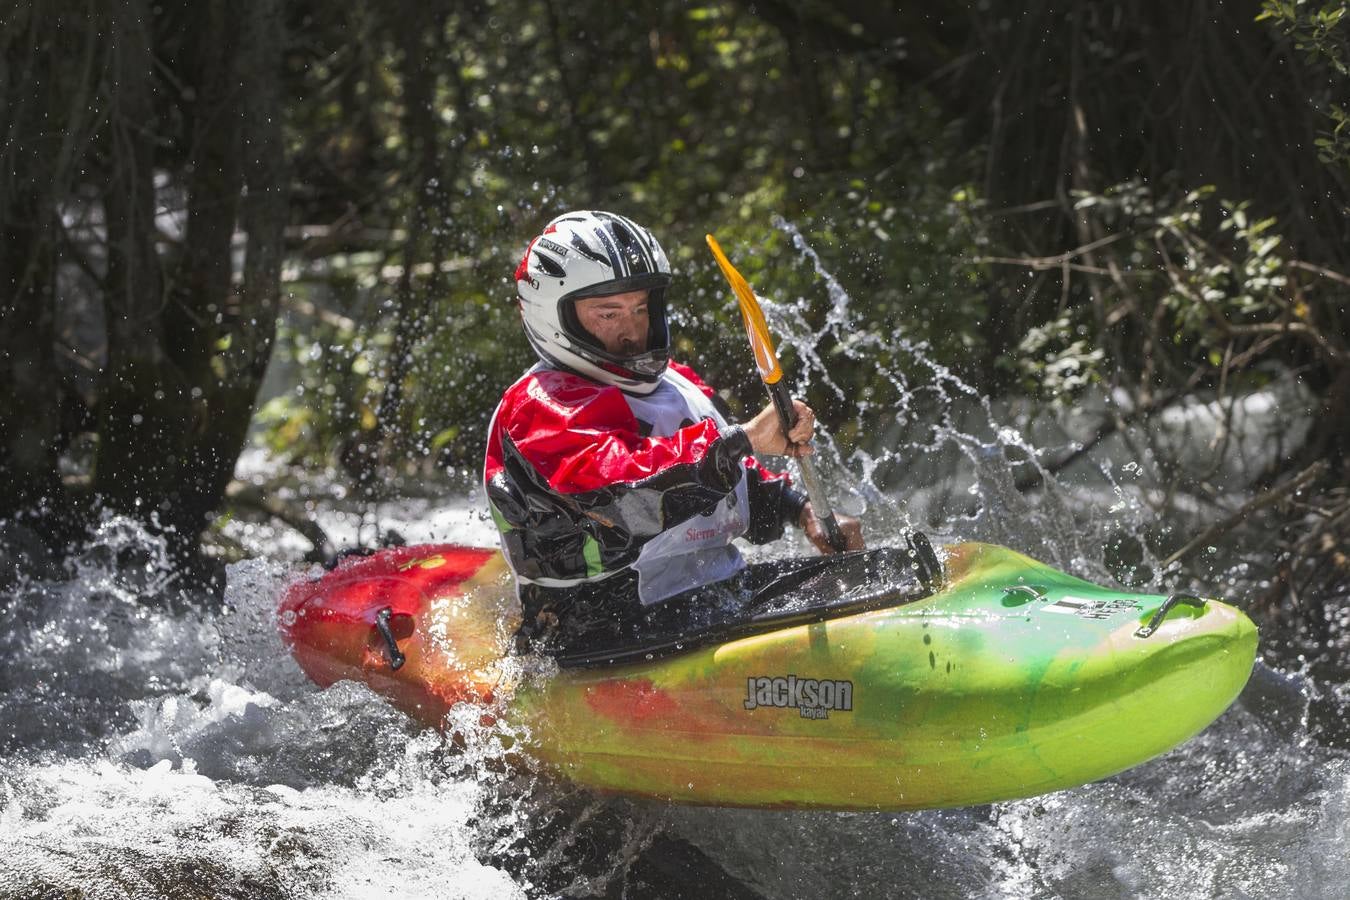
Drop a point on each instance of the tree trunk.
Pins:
(248, 324)
(44, 122)
(186, 360)
(30, 422)
(138, 423)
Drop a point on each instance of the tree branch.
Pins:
(1269, 498)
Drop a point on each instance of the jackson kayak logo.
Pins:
(812, 698)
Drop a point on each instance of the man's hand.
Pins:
(815, 532)
(766, 432)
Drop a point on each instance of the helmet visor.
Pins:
(658, 330)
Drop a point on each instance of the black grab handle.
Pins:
(396, 658)
(925, 560)
(1168, 604)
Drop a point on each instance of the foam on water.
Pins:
(151, 753)
(114, 830)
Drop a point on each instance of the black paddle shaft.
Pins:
(787, 417)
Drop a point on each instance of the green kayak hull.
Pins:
(1013, 680)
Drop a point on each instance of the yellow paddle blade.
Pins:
(753, 317)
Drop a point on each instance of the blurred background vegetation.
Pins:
(1144, 199)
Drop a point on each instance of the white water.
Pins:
(145, 752)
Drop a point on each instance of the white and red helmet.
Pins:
(594, 254)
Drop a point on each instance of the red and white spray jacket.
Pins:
(586, 481)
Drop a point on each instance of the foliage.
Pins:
(724, 142)
(1212, 290)
(1317, 31)
(1322, 33)
(1056, 362)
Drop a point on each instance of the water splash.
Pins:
(947, 458)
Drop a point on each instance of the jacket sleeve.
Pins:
(773, 502)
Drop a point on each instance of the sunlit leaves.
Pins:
(1056, 364)
(1322, 34)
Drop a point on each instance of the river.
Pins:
(150, 750)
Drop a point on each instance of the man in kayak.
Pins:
(613, 473)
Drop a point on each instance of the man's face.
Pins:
(619, 321)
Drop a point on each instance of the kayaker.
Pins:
(614, 474)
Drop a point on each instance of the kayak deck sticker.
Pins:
(1089, 609)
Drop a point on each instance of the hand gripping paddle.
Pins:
(771, 373)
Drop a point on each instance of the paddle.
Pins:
(771, 373)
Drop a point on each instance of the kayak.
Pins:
(1010, 679)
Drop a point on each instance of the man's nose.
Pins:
(635, 327)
